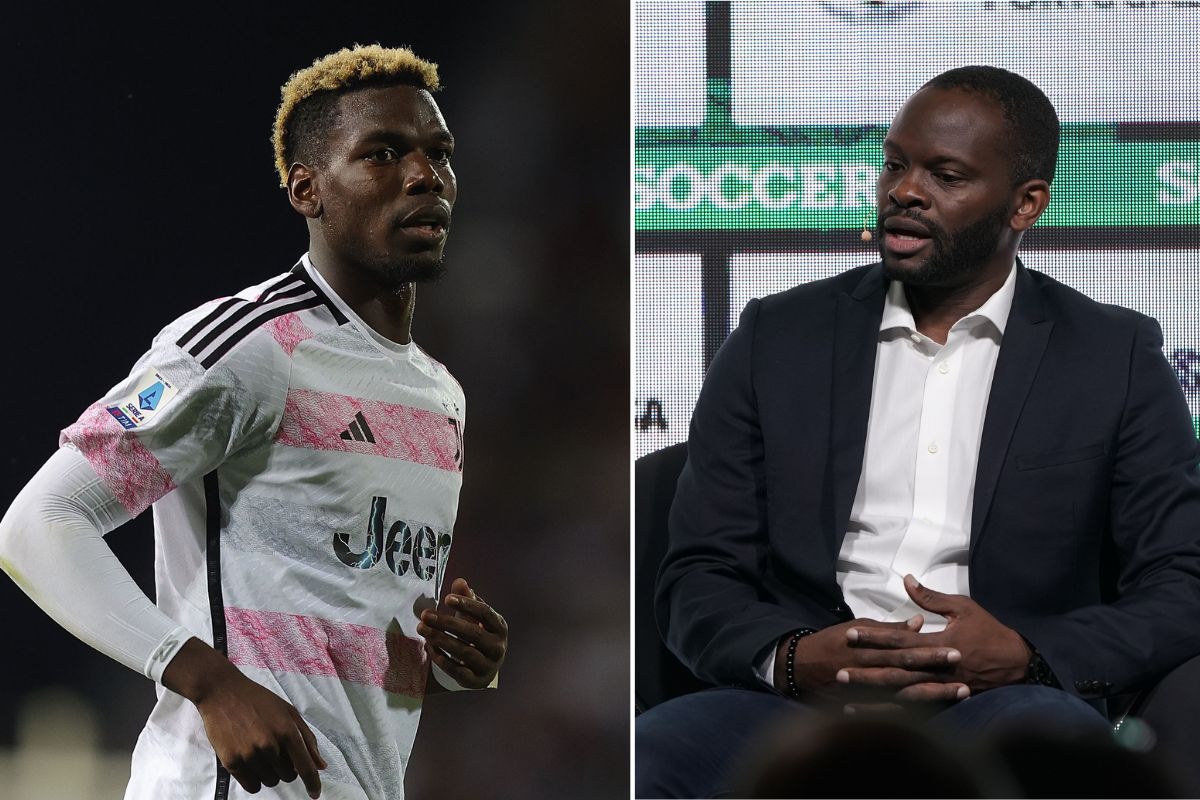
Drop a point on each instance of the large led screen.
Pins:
(758, 143)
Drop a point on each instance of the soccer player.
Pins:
(303, 458)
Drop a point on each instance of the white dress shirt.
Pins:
(912, 508)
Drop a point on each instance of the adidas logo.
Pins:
(359, 431)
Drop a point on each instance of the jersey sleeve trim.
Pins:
(137, 479)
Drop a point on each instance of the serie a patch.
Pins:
(152, 392)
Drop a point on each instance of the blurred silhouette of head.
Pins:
(895, 755)
(881, 756)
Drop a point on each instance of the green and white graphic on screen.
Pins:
(758, 143)
(823, 178)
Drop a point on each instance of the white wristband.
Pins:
(166, 650)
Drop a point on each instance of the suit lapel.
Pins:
(1021, 350)
(856, 337)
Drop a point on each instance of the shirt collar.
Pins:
(897, 314)
(395, 348)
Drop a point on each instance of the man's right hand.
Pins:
(825, 662)
(259, 737)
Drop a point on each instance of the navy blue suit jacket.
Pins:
(1085, 530)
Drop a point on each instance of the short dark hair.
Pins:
(1032, 121)
(309, 98)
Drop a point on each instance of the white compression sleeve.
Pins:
(52, 545)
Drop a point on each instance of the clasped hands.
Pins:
(882, 664)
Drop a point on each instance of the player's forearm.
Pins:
(52, 546)
(198, 670)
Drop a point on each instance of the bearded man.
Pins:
(942, 481)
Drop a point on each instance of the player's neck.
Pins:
(387, 311)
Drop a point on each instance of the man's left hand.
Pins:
(992, 653)
(467, 638)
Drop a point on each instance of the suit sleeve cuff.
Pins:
(765, 667)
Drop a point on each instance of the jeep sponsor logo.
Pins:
(404, 546)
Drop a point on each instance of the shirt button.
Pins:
(916, 337)
(932, 448)
(943, 367)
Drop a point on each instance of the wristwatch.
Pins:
(1039, 672)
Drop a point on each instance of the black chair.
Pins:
(1171, 708)
(658, 675)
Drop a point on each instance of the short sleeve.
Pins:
(173, 419)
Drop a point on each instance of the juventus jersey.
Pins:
(304, 474)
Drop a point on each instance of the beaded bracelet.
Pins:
(793, 690)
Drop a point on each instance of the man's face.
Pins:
(387, 189)
(945, 196)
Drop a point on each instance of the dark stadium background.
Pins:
(139, 183)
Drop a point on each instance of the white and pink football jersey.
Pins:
(304, 474)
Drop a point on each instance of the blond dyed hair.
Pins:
(348, 68)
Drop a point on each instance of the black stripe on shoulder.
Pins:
(212, 315)
(337, 312)
(286, 286)
(300, 287)
(216, 599)
(254, 324)
(286, 281)
(235, 319)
